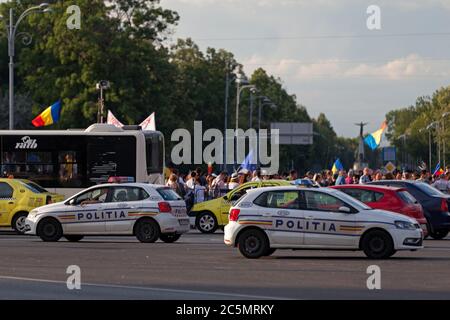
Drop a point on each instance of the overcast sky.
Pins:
(325, 54)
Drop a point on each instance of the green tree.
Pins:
(118, 42)
(407, 126)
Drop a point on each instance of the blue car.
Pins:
(435, 204)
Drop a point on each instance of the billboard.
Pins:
(389, 154)
(294, 133)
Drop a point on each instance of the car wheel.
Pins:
(429, 231)
(73, 238)
(49, 230)
(439, 234)
(169, 238)
(206, 222)
(18, 222)
(253, 244)
(378, 244)
(147, 231)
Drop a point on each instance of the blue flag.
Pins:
(337, 166)
(249, 162)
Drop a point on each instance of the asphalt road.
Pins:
(202, 267)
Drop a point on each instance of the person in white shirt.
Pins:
(442, 184)
(191, 182)
(256, 176)
(218, 184)
(234, 181)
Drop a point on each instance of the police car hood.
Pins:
(389, 216)
(48, 207)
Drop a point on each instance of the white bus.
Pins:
(67, 161)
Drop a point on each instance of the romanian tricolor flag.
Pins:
(373, 140)
(438, 170)
(48, 116)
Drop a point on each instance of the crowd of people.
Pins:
(197, 186)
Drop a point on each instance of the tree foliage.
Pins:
(407, 127)
(125, 42)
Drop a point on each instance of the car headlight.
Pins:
(34, 213)
(405, 225)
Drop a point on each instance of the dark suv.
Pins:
(435, 204)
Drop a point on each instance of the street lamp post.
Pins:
(11, 32)
(263, 101)
(428, 128)
(228, 81)
(404, 154)
(250, 120)
(443, 140)
(240, 79)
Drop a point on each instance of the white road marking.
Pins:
(222, 294)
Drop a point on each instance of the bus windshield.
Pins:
(154, 143)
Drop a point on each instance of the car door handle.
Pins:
(266, 214)
(10, 202)
(309, 217)
(283, 213)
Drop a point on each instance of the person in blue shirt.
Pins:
(365, 178)
(341, 178)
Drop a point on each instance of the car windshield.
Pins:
(350, 200)
(33, 187)
(429, 190)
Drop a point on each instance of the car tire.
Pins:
(439, 234)
(429, 231)
(49, 230)
(206, 222)
(253, 244)
(18, 222)
(73, 238)
(270, 252)
(378, 244)
(169, 238)
(147, 231)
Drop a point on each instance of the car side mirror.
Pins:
(225, 198)
(345, 209)
(72, 202)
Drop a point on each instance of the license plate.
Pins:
(180, 211)
(184, 222)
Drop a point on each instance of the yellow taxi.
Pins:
(18, 197)
(209, 215)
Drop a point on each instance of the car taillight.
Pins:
(164, 207)
(48, 200)
(444, 206)
(234, 214)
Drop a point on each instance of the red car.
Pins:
(397, 200)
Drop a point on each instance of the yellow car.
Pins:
(210, 215)
(18, 197)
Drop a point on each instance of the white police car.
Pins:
(273, 218)
(147, 211)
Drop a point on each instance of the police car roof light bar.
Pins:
(120, 180)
